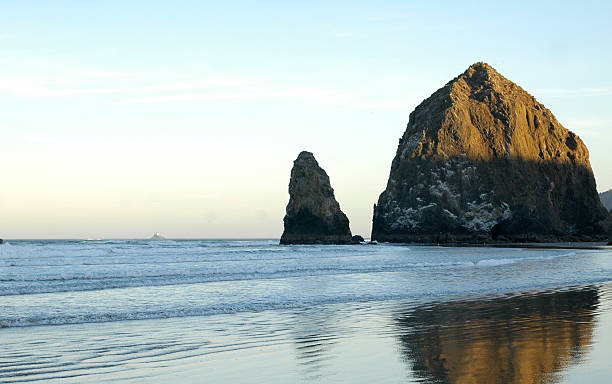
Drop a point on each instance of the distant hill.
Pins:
(606, 199)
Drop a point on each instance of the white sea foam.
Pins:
(56, 282)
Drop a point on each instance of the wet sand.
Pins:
(560, 336)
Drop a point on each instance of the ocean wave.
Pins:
(498, 262)
(54, 282)
(426, 297)
(193, 272)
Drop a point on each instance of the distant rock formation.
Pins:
(357, 239)
(313, 214)
(157, 236)
(607, 225)
(606, 199)
(481, 160)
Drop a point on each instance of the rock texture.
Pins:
(313, 214)
(481, 160)
(606, 199)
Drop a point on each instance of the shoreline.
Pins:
(594, 245)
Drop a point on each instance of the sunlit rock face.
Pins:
(313, 214)
(482, 160)
(521, 340)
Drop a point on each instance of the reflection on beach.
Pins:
(524, 339)
(314, 336)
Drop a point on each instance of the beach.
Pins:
(306, 192)
(246, 311)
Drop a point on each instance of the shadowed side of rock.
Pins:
(313, 215)
(466, 201)
(607, 225)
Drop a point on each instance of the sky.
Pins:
(119, 120)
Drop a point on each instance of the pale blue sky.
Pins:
(184, 117)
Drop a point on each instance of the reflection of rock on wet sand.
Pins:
(527, 339)
(314, 336)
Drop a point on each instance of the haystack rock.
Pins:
(481, 160)
(313, 214)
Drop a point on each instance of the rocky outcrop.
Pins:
(313, 214)
(606, 199)
(357, 239)
(481, 160)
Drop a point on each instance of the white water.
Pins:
(70, 282)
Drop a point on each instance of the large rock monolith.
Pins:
(480, 161)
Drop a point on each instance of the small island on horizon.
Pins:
(157, 236)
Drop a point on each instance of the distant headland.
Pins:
(606, 199)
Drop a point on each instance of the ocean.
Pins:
(246, 311)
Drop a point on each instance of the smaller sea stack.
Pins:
(313, 214)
